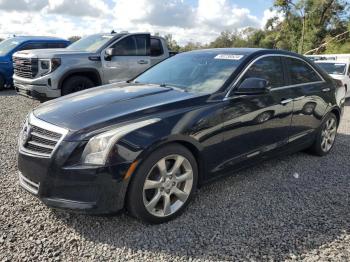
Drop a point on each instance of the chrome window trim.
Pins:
(32, 120)
(227, 96)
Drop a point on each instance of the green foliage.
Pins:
(301, 25)
(73, 39)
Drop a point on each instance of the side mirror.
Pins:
(110, 52)
(253, 86)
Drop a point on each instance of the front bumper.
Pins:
(92, 190)
(35, 89)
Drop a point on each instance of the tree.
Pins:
(307, 23)
(73, 39)
(172, 44)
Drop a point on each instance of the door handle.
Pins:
(286, 101)
(142, 62)
(326, 89)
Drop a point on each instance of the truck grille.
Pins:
(40, 138)
(25, 67)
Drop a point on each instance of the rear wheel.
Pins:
(326, 135)
(76, 83)
(163, 185)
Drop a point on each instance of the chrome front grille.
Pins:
(40, 138)
(25, 67)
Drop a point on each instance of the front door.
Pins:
(131, 59)
(257, 124)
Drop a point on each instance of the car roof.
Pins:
(39, 38)
(246, 51)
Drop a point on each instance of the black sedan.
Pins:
(148, 144)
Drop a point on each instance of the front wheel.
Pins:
(325, 137)
(76, 83)
(163, 185)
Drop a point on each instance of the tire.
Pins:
(76, 83)
(166, 188)
(2, 83)
(325, 137)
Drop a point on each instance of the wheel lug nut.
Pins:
(168, 191)
(161, 189)
(174, 183)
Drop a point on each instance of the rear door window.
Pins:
(56, 45)
(156, 47)
(300, 72)
(30, 46)
(268, 68)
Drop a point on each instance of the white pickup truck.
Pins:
(92, 61)
(337, 66)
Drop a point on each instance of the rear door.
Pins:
(132, 59)
(310, 93)
(257, 124)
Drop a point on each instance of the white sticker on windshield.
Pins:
(228, 57)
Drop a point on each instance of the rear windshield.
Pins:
(193, 72)
(90, 43)
(9, 44)
(333, 68)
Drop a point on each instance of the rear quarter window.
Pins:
(300, 72)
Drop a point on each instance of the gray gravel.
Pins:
(293, 208)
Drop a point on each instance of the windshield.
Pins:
(193, 72)
(333, 68)
(90, 43)
(9, 44)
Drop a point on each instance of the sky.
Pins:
(187, 20)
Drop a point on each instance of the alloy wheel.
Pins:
(168, 185)
(328, 135)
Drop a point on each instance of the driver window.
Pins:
(131, 46)
(268, 68)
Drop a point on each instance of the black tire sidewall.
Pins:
(70, 83)
(2, 82)
(135, 205)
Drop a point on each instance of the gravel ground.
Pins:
(293, 208)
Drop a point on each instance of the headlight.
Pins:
(49, 65)
(97, 149)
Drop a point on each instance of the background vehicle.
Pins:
(194, 117)
(14, 44)
(92, 61)
(337, 66)
(339, 70)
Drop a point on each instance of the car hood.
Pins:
(104, 106)
(50, 53)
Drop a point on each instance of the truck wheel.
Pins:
(2, 83)
(75, 84)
